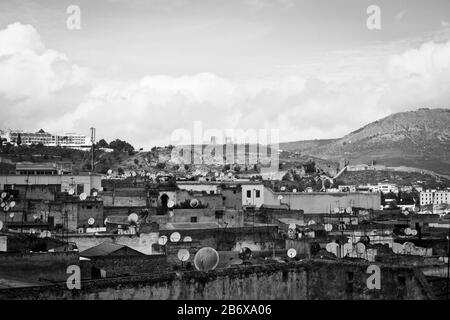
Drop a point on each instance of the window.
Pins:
(249, 193)
(258, 193)
(194, 219)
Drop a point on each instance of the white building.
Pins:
(434, 197)
(70, 140)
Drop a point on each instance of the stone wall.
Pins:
(305, 280)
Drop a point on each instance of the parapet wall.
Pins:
(304, 280)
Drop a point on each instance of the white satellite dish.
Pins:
(216, 174)
(91, 221)
(206, 259)
(311, 222)
(1, 225)
(6, 208)
(133, 173)
(105, 222)
(95, 193)
(292, 226)
(133, 217)
(183, 255)
(397, 248)
(175, 237)
(187, 239)
(12, 204)
(280, 197)
(348, 210)
(194, 203)
(360, 248)
(294, 190)
(11, 215)
(162, 240)
(35, 216)
(291, 253)
(336, 210)
(71, 191)
(83, 196)
(328, 227)
(414, 232)
(230, 174)
(409, 247)
(109, 172)
(170, 204)
(408, 231)
(3, 204)
(283, 188)
(4, 194)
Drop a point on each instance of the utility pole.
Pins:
(92, 149)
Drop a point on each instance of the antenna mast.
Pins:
(92, 150)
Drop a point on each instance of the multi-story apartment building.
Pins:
(71, 140)
(434, 197)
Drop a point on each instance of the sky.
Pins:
(140, 70)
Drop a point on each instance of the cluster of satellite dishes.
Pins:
(349, 249)
(348, 210)
(410, 232)
(407, 248)
(7, 203)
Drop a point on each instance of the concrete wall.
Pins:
(34, 266)
(321, 202)
(253, 200)
(306, 280)
(65, 181)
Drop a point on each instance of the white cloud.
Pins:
(43, 89)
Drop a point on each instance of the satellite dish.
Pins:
(133, 173)
(95, 193)
(183, 255)
(291, 253)
(175, 237)
(292, 234)
(6, 209)
(12, 204)
(245, 254)
(206, 259)
(162, 240)
(283, 188)
(216, 174)
(4, 194)
(230, 174)
(408, 231)
(194, 203)
(110, 171)
(348, 210)
(336, 210)
(105, 222)
(328, 227)
(11, 215)
(3, 204)
(170, 204)
(414, 232)
(409, 247)
(71, 191)
(187, 239)
(35, 216)
(280, 197)
(1, 225)
(294, 190)
(83, 196)
(133, 217)
(397, 248)
(292, 226)
(311, 222)
(360, 248)
(91, 221)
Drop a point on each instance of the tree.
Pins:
(103, 144)
(120, 170)
(19, 140)
(120, 145)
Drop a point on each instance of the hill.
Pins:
(418, 139)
